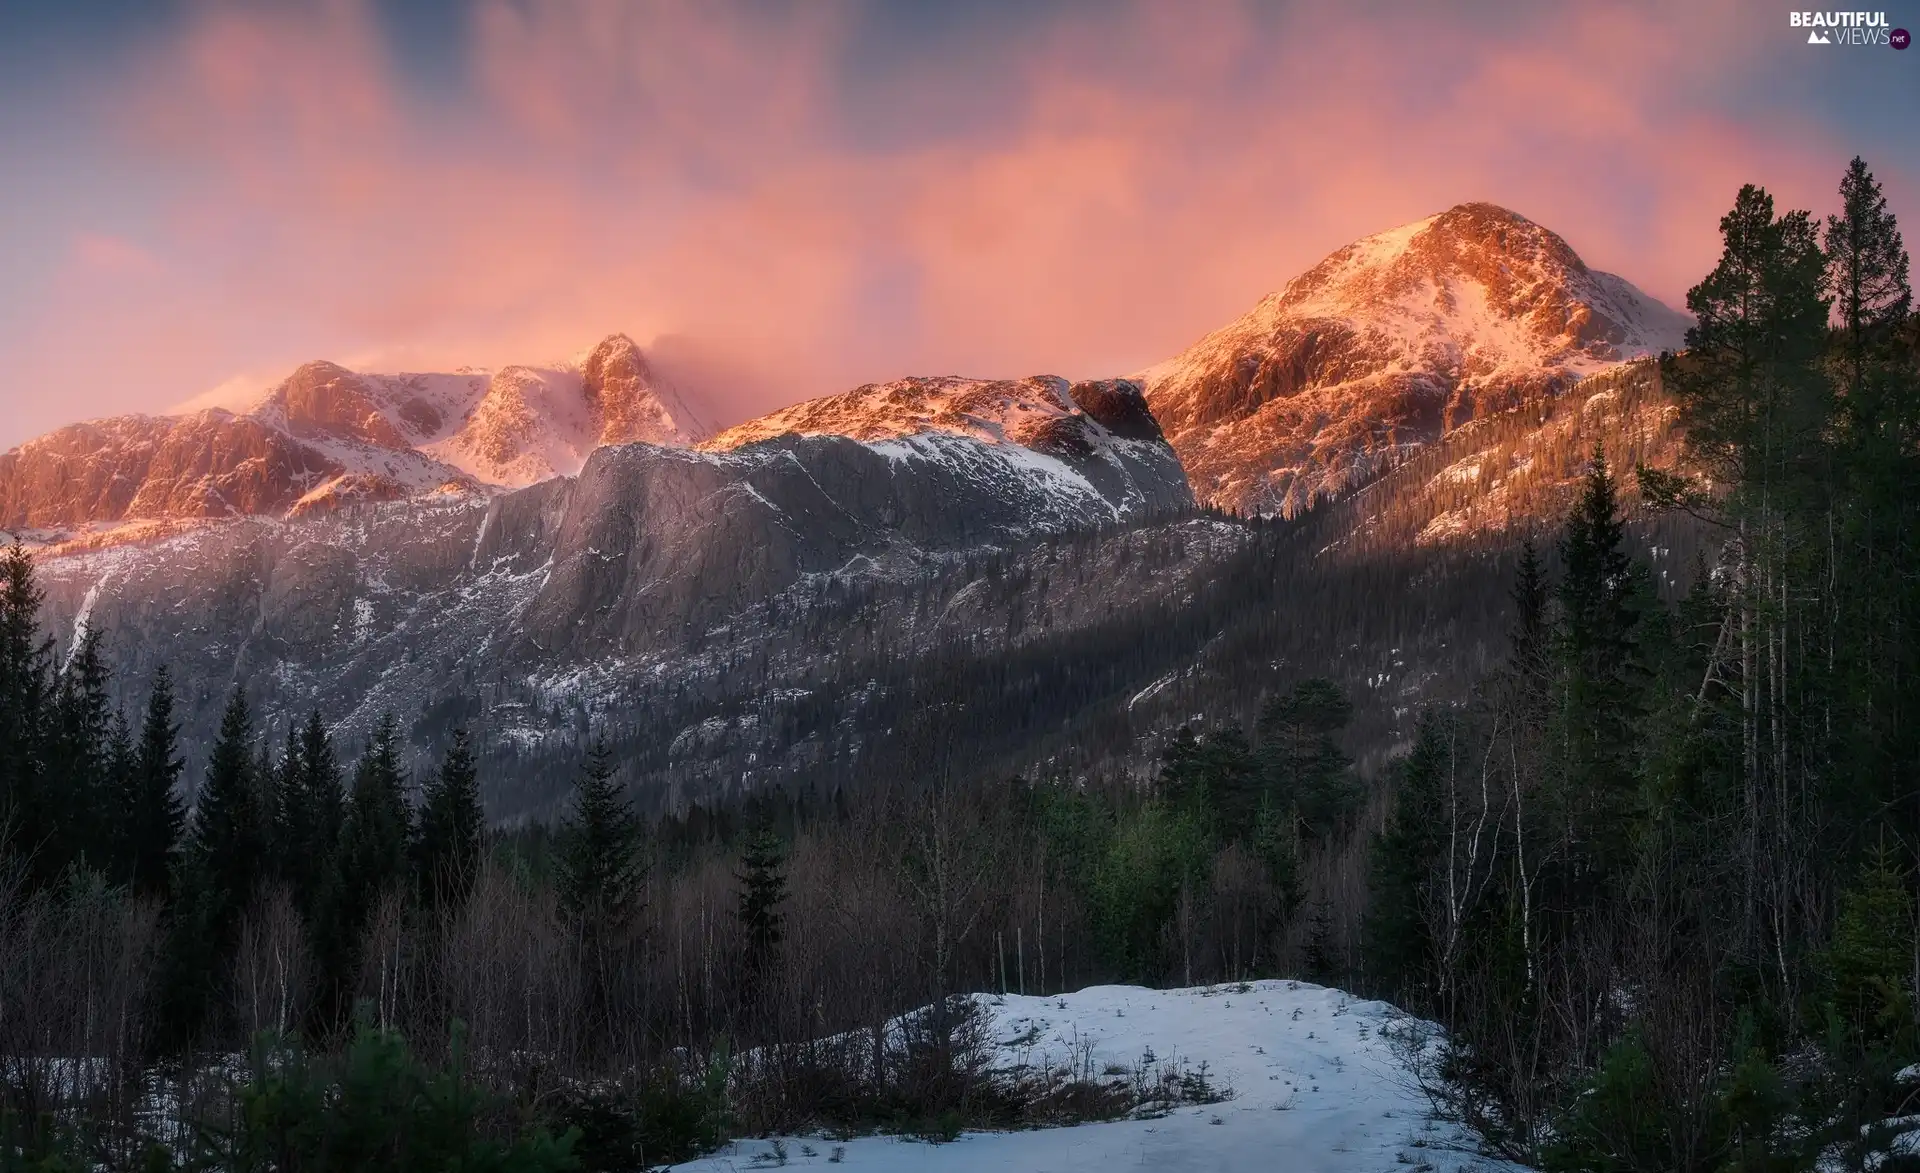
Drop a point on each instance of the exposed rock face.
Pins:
(1387, 345)
(327, 436)
(1045, 453)
(211, 464)
(324, 401)
(628, 568)
(631, 402)
(540, 422)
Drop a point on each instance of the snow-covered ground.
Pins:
(1317, 1081)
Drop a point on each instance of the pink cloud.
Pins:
(683, 170)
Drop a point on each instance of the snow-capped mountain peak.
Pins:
(1034, 412)
(538, 422)
(1387, 344)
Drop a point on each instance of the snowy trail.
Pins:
(1315, 1087)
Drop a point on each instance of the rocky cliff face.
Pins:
(211, 464)
(540, 422)
(630, 402)
(571, 587)
(1387, 345)
(327, 436)
(776, 602)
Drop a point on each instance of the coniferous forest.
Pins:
(1654, 874)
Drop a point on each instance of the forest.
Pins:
(1652, 867)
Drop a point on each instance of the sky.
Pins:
(782, 200)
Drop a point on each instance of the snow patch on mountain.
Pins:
(1388, 344)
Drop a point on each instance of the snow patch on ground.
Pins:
(1319, 1080)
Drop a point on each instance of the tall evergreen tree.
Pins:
(373, 845)
(599, 867)
(763, 892)
(223, 861)
(369, 862)
(78, 763)
(1760, 321)
(1866, 273)
(1600, 677)
(311, 816)
(1397, 945)
(25, 700)
(151, 813)
(1216, 774)
(1302, 758)
(598, 878)
(1532, 635)
(452, 829)
(227, 848)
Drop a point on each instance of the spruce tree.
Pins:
(1866, 272)
(373, 845)
(452, 828)
(77, 768)
(227, 847)
(598, 878)
(599, 868)
(1872, 953)
(26, 824)
(370, 860)
(763, 890)
(1600, 678)
(312, 814)
(1531, 639)
(1397, 946)
(223, 861)
(152, 815)
(1302, 758)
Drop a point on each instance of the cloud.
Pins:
(805, 206)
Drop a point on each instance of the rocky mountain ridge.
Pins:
(1387, 345)
(327, 436)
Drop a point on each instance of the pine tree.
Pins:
(1302, 760)
(763, 890)
(152, 815)
(369, 861)
(599, 868)
(452, 828)
(78, 764)
(1600, 677)
(1216, 774)
(1397, 944)
(1866, 272)
(311, 816)
(26, 823)
(1760, 321)
(227, 847)
(598, 878)
(373, 845)
(1532, 637)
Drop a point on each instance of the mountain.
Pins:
(688, 571)
(1091, 450)
(539, 422)
(1387, 345)
(995, 572)
(327, 436)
